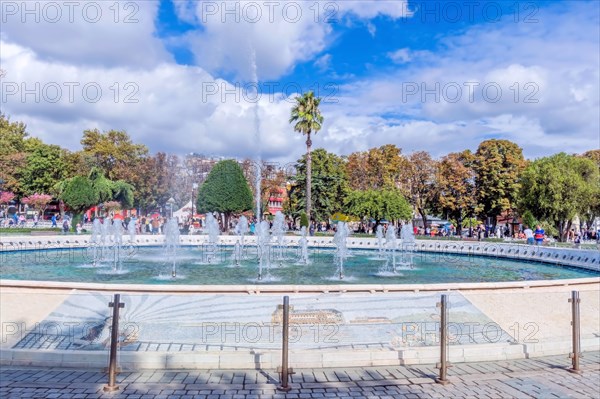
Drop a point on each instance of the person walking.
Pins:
(54, 220)
(538, 235)
(528, 235)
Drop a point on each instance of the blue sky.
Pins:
(435, 76)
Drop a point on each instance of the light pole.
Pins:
(194, 188)
(171, 201)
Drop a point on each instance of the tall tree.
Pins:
(559, 187)
(379, 167)
(225, 191)
(114, 152)
(307, 119)
(455, 195)
(13, 136)
(498, 166)
(44, 167)
(329, 183)
(418, 181)
(593, 210)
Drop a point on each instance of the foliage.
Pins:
(328, 180)
(307, 118)
(303, 220)
(377, 168)
(113, 151)
(387, 204)
(225, 190)
(44, 167)
(79, 193)
(112, 206)
(454, 193)
(6, 197)
(498, 165)
(418, 181)
(13, 136)
(37, 201)
(557, 188)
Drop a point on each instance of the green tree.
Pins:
(114, 152)
(78, 193)
(558, 188)
(329, 183)
(82, 192)
(13, 136)
(44, 168)
(387, 204)
(307, 118)
(498, 165)
(225, 191)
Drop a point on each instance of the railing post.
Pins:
(443, 364)
(284, 369)
(575, 323)
(116, 304)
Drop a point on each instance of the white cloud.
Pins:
(86, 33)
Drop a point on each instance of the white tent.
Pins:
(184, 212)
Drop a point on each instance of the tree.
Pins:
(37, 201)
(559, 187)
(387, 204)
(225, 191)
(455, 195)
(78, 193)
(43, 169)
(498, 165)
(114, 152)
(308, 119)
(593, 210)
(377, 168)
(329, 184)
(418, 180)
(13, 136)
(82, 192)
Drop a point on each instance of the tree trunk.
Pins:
(423, 217)
(308, 176)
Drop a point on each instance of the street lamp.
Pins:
(194, 188)
(171, 202)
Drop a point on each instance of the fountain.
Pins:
(303, 244)
(213, 237)
(237, 253)
(117, 236)
(264, 245)
(379, 235)
(241, 229)
(171, 230)
(339, 239)
(95, 241)
(391, 243)
(407, 246)
(131, 231)
(278, 231)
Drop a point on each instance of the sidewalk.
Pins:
(532, 378)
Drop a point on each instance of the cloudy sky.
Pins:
(219, 78)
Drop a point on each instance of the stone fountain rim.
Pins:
(294, 289)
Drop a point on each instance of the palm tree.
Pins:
(308, 119)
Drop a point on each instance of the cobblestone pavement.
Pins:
(533, 378)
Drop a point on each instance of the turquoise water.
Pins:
(195, 266)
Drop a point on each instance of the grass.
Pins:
(26, 230)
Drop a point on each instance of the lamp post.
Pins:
(194, 188)
(171, 201)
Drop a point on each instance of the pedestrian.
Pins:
(65, 226)
(538, 235)
(54, 220)
(528, 235)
